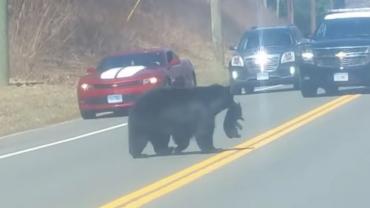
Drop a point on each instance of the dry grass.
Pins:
(35, 106)
(50, 40)
(53, 41)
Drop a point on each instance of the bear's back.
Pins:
(154, 102)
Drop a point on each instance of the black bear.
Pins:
(182, 114)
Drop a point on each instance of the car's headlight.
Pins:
(307, 55)
(85, 86)
(237, 61)
(151, 80)
(234, 74)
(288, 57)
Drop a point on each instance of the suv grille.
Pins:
(272, 64)
(353, 57)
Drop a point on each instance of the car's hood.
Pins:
(348, 42)
(123, 74)
(268, 50)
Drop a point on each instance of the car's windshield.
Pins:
(154, 59)
(265, 38)
(344, 28)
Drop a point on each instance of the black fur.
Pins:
(182, 114)
(231, 125)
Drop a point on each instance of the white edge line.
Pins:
(60, 142)
(39, 128)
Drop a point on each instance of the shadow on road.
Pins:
(121, 113)
(144, 156)
(346, 91)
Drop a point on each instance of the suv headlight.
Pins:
(307, 55)
(234, 74)
(237, 61)
(288, 57)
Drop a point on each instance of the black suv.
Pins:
(338, 54)
(265, 56)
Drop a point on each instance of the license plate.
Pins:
(341, 77)
(114, 99)
(263, 76)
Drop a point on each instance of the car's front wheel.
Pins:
(331, 90)
(296, 85)
(308, 89)
(88, 114)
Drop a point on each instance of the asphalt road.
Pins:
(324, 163)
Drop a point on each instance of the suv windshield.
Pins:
(265, 38)
(142, 59)
(344, 28)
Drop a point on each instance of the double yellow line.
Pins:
(186, 176)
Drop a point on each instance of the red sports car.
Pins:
(120, 78)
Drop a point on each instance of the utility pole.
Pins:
(331, 4)
(265, 3)
(216, 22)
(290, 5)
(278, 8)
(4, 54)
(313, 15)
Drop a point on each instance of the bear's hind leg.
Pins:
(204, 136)
(182, 141)
(160, 143)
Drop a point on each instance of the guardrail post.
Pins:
(4, 53)
(216, 21)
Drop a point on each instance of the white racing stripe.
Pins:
(60, 142)
(110, 74)
(129, 71)
(121, 72)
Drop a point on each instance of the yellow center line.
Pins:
(186, 176)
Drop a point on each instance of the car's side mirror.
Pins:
(175, 61)
(233, 48)
(309, 36)
(91, 70)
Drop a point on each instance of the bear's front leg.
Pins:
(182, 141)
(204, 135)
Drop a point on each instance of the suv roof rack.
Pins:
(332, 11)
(347, 13)
(275, 26)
